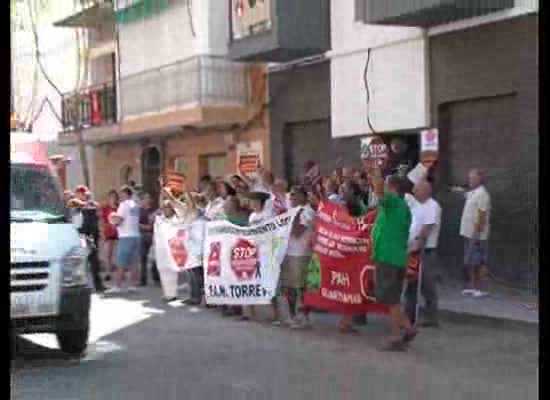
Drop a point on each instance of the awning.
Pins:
(139, 10)
(90, 17)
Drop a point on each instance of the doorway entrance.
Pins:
(151, 170)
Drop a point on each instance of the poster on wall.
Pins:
(374, 151)
(250, 17)
(429, 147)
(249, 156)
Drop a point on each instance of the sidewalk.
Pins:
(502, 304)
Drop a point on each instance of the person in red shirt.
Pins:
(108, 230)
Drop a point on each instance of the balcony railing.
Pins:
(92, 106)
(197, 81)
(426, 13)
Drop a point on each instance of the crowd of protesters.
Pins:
(408, 220)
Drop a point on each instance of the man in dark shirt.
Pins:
(146, 222)
(90, 229)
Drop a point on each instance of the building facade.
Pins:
(471, 72)
(468, 71)
(170, 100)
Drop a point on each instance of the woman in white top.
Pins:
(214, 206)
(281, 199)
(179, 210)
(260, 213)
(259, 207)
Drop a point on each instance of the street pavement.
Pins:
(141, 348)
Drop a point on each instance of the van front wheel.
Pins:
(73, 341)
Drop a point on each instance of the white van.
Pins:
(49, 283)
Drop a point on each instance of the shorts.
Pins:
(294, 272)
(127, 252)
(389, 284)
(475, 253)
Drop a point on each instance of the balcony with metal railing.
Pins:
(425, 13)
(90, 107)
(89, 14)
(200, 81)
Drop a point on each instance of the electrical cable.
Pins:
(366, 81)
(46, 101)
(27, 115)
(30, 109)
(37, 50)
(190, 14)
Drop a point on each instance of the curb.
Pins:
(492, 321)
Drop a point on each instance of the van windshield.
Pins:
(35, 194)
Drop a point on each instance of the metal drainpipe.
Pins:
(427, 78)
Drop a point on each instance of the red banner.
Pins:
(343, 246)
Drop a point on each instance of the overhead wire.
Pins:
(366, 82)
(189, 5)
(37, 49)
(29, 110)
(42, 69)
(45, 101)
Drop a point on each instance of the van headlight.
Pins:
(74, 267)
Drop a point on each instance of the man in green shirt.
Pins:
(390, 236)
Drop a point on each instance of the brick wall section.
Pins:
(192, 147)
(488, 62)
(109, 160)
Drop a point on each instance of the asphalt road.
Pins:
(143, 349)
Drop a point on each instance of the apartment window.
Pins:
(213, 165)
(125, 174)
(181, 165)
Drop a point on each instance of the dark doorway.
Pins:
(306, 141)
(151, 164)
(482, 133)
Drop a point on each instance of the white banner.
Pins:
(242, 264)
(178, 246)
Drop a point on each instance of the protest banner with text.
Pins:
(342, 247)
(179, 246)
(242, 264)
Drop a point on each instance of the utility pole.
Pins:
(12, 87)
(77, 126)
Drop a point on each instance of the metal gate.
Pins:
(482, 133)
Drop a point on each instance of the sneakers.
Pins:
(409, 336)
(394, 345)
(474, 293)
(301, 322)
(113, 290)
(430, 324)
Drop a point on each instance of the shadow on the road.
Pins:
(28, 353)
(31, 353)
